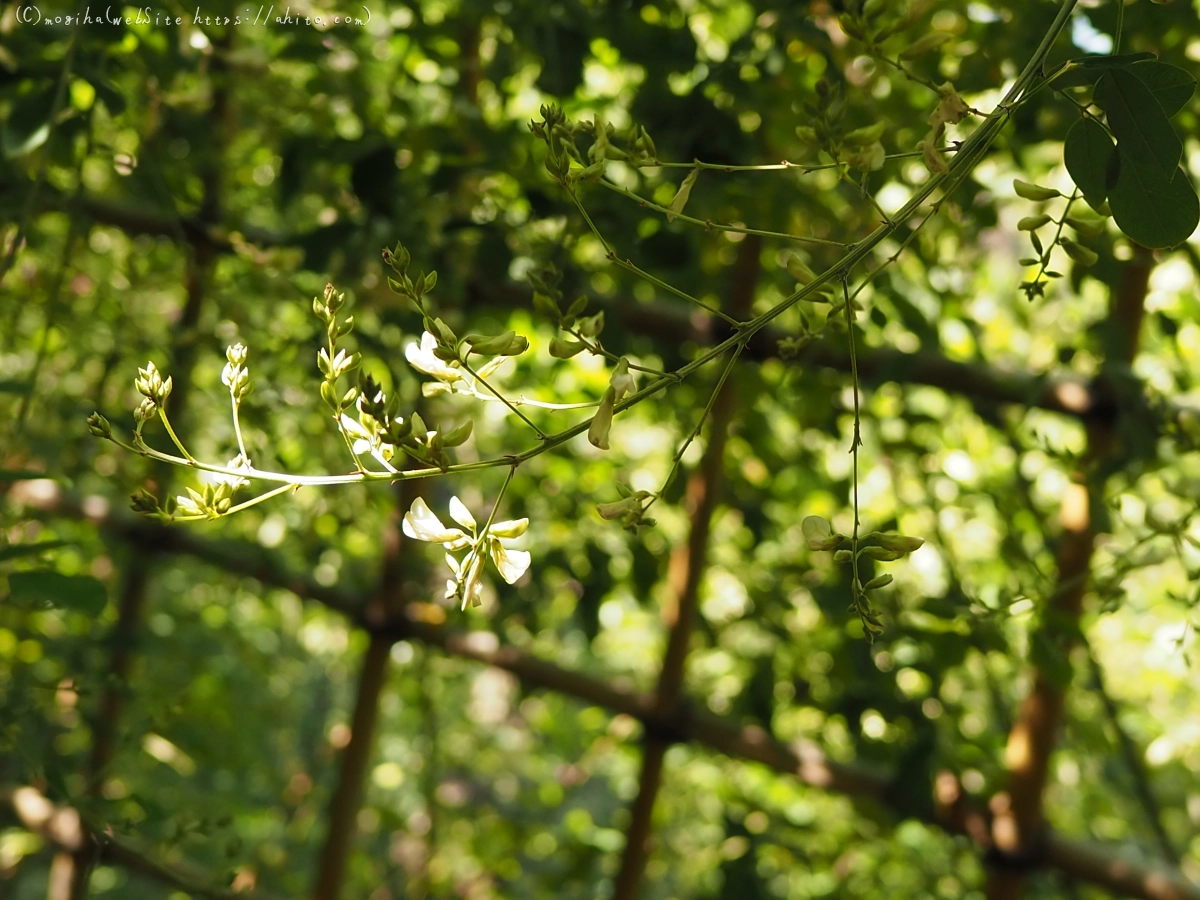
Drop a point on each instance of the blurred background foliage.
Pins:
(182, 188)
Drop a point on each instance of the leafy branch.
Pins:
(380, 430)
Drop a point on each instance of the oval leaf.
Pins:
(1151, 209)
(1088, 153)
(1170, 85)
(1142, 129)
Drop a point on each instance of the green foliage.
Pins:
(599, 219)
(1152, 201)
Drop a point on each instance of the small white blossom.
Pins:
(423, 359)
(420, 523)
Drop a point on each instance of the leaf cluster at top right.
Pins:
(1127, 162)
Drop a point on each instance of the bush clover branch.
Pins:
(428, 446)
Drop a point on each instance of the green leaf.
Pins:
(46, 588)
(1142, 129)
(1111, 62)
(1171, 85)
(1089, 156)
(1151, 209)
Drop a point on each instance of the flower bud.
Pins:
(508, 344)
(146, 410)
(99, 426)
(616, 510)
(622, 381)
(144, 502)
(602, 421)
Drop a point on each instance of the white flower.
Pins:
(423, 359)
(450, 377)
(511, 563)
(421, 524)
(363, 440)
(460, 514)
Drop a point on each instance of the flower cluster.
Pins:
(878, 546)
(420, 523)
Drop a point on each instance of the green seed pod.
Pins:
(1032, 223)
(924, 44)
(901, 543)
(562, 348)
(1085, 256)
(1034, 192)
(882, 554)
(681, 197)
(457, 436)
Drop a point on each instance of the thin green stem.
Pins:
(1120, 27)
(1062, 220)
(237, 428)
(162, 414)
(590, 224)
(598, 349)
(856, 441)
(522, 400)
(143, 449)
(805, 168)
(349, 445)
(524, 418)
(512, 470)
(712, 399)
(710, 225)
(630, 266)
(874, 203)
